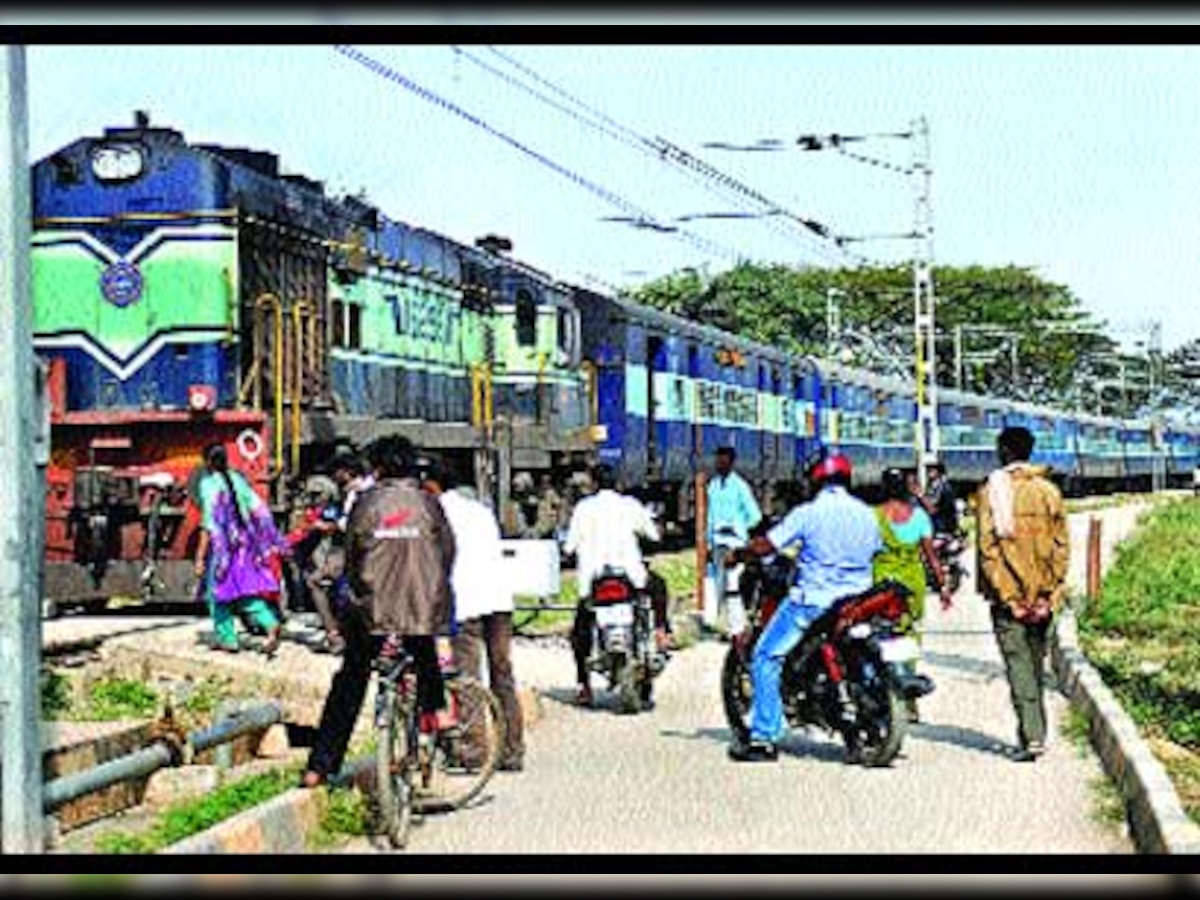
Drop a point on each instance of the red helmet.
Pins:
(832, 465)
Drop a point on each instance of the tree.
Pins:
(1050, 335)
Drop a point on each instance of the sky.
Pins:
(1077, 160)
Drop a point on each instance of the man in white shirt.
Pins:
(483, 602)
(604, 531)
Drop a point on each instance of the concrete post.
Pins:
(21, 825)
(1093, 559)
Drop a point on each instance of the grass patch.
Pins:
(193, 816)
(1108, 805)
(1143, 633)
(111, 699)
(346, 815)
(56, 695)
(1076, 729)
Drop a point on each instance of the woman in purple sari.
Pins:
(238, 540)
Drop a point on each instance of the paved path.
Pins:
(598, 782)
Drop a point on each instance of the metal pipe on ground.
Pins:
(157, 756)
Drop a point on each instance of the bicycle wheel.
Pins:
(463, 757)
(394, 771)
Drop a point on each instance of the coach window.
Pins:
(526, 319)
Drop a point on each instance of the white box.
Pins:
(532, 567)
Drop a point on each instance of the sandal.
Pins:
(271, 644)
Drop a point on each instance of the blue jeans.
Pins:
(783, 632)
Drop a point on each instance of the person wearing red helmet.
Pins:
(838, 537)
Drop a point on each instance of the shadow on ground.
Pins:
(793, 745)
(967, 738)
(969, 664)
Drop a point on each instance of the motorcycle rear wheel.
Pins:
(737, 692)
(881, 735)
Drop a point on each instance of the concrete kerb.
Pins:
(1157, 821)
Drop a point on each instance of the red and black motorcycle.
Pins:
(846, 675)
(624, 644)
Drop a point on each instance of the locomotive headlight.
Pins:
(202, 397)
(117, 162)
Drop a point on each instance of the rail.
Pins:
(167, 750)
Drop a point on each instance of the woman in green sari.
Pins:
(907, 533)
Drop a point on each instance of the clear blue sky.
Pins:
(1078, 160)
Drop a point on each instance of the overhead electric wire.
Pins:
(665, 150)
(383, 70)
(600, 121)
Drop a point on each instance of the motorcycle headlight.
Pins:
(861, 630)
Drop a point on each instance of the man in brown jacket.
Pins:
(1024, 549)
(399, 553)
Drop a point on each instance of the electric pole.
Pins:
(927, 438)
(21, 811)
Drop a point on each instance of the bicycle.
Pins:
(429, 773)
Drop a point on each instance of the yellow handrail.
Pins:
(541, 385)
(592, 374)
(476, 395)
(487, 397)
(273, 301)
(299, 309)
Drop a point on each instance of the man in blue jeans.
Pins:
(838, 536)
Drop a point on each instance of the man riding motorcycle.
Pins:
(838, 536)
(604, 532)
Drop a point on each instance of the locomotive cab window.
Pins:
(526, 319)
(568, 330)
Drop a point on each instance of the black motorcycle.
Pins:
(847, 675)
(949, 549)
(624, 644)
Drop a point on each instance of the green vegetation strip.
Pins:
(193, 816)
(1143, 636)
